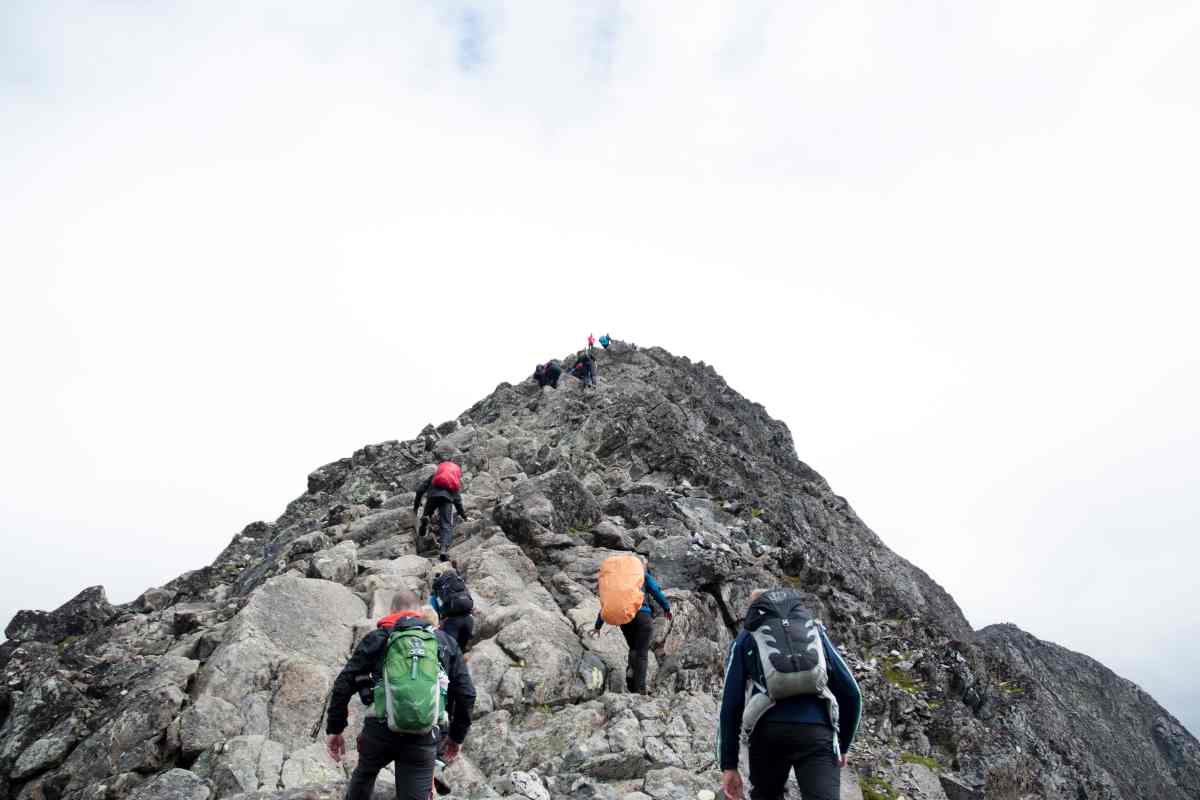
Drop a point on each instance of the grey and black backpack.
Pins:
(790, 653)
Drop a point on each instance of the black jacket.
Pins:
(365, 670)
(437, 492)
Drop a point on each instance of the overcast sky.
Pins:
(953, 246)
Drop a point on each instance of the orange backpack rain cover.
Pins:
(621, 589)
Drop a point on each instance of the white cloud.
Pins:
(951, 247)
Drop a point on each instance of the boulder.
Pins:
(207, 721)
(79, 616)
(174, 784)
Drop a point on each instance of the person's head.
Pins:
(405, 600)
(430, 616)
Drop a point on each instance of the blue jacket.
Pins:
(649, 589)
(743, 666)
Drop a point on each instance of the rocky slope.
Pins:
(213, 686)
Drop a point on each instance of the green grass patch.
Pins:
(877, 789)
(795, 581)
(901, 679)
(1011, 688)
(755, 513)
(913, 758)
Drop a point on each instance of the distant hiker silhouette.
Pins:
(585, 369)
(547, 374)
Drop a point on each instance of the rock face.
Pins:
(214, 685)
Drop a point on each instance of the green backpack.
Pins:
(411, 696)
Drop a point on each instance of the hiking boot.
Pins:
(443, 557)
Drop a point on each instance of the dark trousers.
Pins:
(460, 628)
(413, 755)
(445, 511)
(638, 633)
(778, 748)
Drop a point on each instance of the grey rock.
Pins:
(79, 616)
(174, 784)
(957, 788)
(154, 599)
(208, 721)
(338, 564)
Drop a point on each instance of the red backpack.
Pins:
(448, 476)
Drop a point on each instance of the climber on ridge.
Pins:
(625, 587)
(810, 724)
(547, 374)
(404, 727)
(443, 488)
(452, 601)
(605, 341)
(585, 368)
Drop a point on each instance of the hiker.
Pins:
(401, 641)
(547, 374)
(454, 604)
(585, 369)
(591, 343)
(625, 589)
(605, 341)
(810, 724)
(443, 488)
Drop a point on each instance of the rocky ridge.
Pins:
(214, 685)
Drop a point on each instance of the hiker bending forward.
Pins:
(639, 632)
(811, 724)
(402, 632)
(443, 488)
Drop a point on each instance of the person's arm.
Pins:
(433, 603)
(599, 623)
(733, 704)
(845, 689)
(462, 512)
(463, 691)
(421, 490)
(656, 593)
(347, 682)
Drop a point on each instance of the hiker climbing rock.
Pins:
(452, 601)
(408, 670)
(547, 374)
(625, 588)
(605, 341)
(442, 488)
(585, 368)
(790, 692)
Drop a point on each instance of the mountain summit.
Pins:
(215, 685)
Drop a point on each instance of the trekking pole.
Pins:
(315, 733)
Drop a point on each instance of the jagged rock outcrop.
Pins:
(214, 685)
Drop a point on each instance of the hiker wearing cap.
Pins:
(788, 690)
